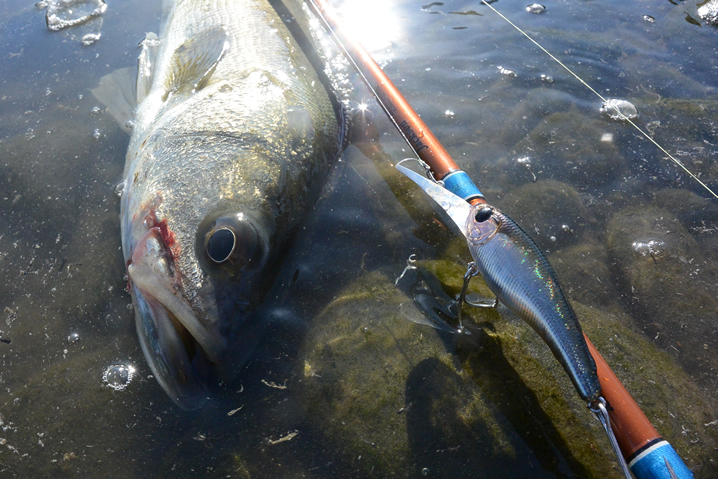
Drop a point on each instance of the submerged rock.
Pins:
(585, 275)
(668, 282)
(402, 398)
(550, 211)
(698, 215)
(572, 148)
(692, 143)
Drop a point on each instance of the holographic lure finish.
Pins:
(520, 276)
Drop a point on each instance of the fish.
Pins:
(233, 136)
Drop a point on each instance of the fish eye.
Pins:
(232, 240)
(484, 214)
(221, 245)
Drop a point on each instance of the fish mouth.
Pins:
(179, 347)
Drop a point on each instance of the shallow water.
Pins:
(633, 239)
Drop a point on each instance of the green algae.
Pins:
(394, 392)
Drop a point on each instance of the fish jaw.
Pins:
(178, 346)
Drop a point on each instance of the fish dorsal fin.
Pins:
(193, 62)
(117, 92)
(146, 65)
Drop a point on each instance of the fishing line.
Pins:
(623, 117)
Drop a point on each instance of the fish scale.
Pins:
(236, 131)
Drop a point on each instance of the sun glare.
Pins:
(372, 22)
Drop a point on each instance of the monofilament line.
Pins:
(622, 116)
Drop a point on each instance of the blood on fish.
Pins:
(168, 237)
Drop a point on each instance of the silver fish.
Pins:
(231, 142)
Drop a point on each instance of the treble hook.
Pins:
(471, 271)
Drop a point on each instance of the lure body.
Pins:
(520, 276)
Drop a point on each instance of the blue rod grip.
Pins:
(461, 185)
(651, 463)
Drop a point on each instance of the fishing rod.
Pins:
(633, 438)
(415, 132)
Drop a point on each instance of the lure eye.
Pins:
(232, 240)
(484, 214)
(221, 245)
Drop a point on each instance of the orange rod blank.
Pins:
(415, 131)
(632, 428)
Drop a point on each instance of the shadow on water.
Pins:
(499, 380)
(444, 445)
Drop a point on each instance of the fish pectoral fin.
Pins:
(146, 65)
(193, 62)
(117, 92)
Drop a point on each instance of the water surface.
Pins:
(632, 237)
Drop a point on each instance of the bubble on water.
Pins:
(63, 14)
(709, 12)
(130, 124)
(546, 78)
(649, 247)
(535, 8)
(95, 110)
(425, 471)
(507, 72)
(649, 18)
(48, 92)
(118, 376)
(30, 134)
(97, 133)
(553, 239)
(618, 109)
(73, 338)
(90, 38)
(449, 113)
(566, 228)
(524, 161)
(120, 188)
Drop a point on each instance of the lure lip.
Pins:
(455, 207)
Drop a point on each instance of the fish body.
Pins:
(232, 140)
(521, 277)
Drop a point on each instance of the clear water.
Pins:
(588, 187)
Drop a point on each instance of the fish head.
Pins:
(198, 265)
(482, 224)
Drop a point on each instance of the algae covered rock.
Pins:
(550, 211)
(448, 413)
(669, 397)
(572, 148)
(403, 400)
(585, 275)
(698, 215)
(669, 284)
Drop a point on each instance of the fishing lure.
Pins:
(520, 276)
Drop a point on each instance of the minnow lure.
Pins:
(520, 276)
